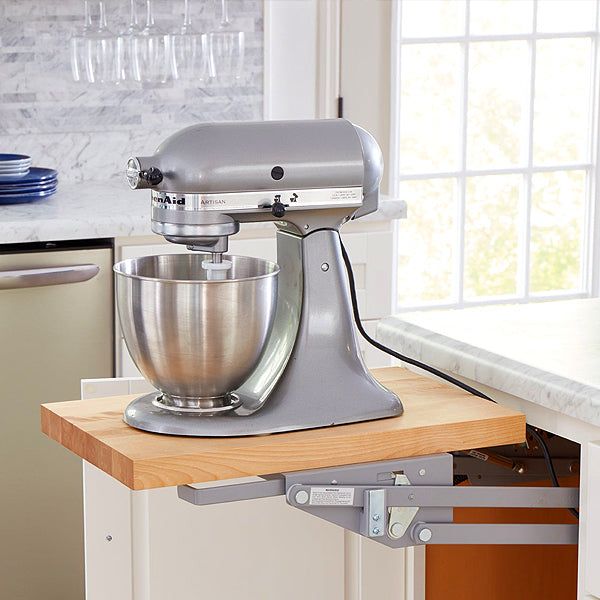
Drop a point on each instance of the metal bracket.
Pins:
(400, 516)
(378, 501)
(269, 485)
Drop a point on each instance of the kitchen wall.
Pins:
(367, 67)
(85, 130)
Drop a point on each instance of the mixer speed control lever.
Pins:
(139, 177)
(152, 175)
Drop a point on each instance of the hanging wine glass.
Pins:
(102, 51)
(226, 51)
(189, 50)
(151, 51)
(125, 46)
(79, 46)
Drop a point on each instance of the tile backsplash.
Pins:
(87, 131)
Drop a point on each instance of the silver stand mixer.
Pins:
(240, 346)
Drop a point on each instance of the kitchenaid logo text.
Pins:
(174, 201)
(169, 200)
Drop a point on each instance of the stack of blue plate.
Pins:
(21, 183)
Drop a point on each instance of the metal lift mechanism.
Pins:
(402, 503)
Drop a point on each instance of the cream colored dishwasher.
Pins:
(56, 327)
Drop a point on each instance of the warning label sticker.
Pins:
(331, 496)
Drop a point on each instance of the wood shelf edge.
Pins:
(96, 452)
(191, 469)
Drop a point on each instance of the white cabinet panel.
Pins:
(151, 545)
(372, 356)
(371, 255)
(592, 521)
(107, 535)
(257, 550)
(127, 367)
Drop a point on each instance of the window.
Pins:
(494, 134)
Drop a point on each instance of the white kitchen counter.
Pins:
(104, 210)
(547, 353)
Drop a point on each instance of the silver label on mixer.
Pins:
(251, 201)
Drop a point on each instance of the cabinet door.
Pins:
(150, 545)
(590, 520)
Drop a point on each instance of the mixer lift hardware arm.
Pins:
(403, 503)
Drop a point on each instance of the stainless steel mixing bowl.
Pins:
(195, 339)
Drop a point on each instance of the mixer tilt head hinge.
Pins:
(403, 503)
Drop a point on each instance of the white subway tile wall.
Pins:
(87, 131)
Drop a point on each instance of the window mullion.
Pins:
(396, 82)
(503, 37)
(591, 244)
(459, 267)
(499, 171)
(524, 262)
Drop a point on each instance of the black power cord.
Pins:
(416, 363)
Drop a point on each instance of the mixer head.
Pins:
(303, 175)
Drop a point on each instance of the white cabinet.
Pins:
(150, 545)
(370, 250)
(162, 547)
(591, 520)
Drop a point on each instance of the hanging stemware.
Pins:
(226, 51)
(125, 46)
(79, 46)
(102, 51)
(151, 51)
(189, 50)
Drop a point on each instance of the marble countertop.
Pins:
(547, 353)
(104, 210)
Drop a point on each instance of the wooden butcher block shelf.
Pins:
(437, 418)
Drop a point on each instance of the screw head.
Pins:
(425, 534)
(376, 517)
(306, 226)
(324, 267)
(334, 482)
(396, 529)
(411, 497)
(109, 538)
(301, 497)
(422, 472)
(376, 531)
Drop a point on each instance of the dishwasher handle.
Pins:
(27, 278)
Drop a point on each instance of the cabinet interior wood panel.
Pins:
(497, 572)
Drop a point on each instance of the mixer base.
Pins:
(276, 417)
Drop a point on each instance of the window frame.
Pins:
(590, 252)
